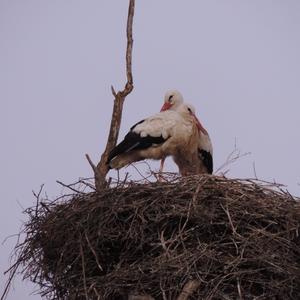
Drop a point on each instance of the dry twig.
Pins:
(188, 289)
(233, 156)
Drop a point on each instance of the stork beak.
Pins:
(199, 125)
(166, 106)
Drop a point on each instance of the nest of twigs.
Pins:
(202, 237)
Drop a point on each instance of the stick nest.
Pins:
(232, 239)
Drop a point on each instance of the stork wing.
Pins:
(150, 132)
(161, 124)
(207, 160)
(134, 141)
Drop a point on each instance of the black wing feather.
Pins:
(138, 123)
(133, 141)
(207, 159)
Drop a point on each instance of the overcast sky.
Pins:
(237, 61)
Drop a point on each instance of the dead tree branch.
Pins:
(102, 169)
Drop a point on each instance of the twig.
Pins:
(163, 242)
(9, 237)
(102, 168)
(91, 163)
(9, 281)
(69, 186)
(239, 288)
(113, 91)
(188, 289)
(163, 291)
(254, 170)
(37, 196)
(230, 220)
(93, 251)
(86, 183)
(233, 156)
(144, 177)
(83, 271)
(140, 297)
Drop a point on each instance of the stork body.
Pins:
(204, 160)
(166, 133)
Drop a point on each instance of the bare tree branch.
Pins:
(102, 168)
(91, 163)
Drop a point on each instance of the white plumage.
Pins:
(168, 133)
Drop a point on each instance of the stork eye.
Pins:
(170, 98)
(189, 109)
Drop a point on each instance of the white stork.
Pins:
(168, 133)
(173, 99)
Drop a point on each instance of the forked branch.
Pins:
(102, 168)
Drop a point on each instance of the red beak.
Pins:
(166, 106)
(199, 126)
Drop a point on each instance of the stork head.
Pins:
(173, 99)
(188, 110)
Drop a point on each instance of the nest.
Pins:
(202, 237)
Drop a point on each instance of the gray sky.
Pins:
(237, 61)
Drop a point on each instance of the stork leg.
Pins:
(162, 162)
(160, 177)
